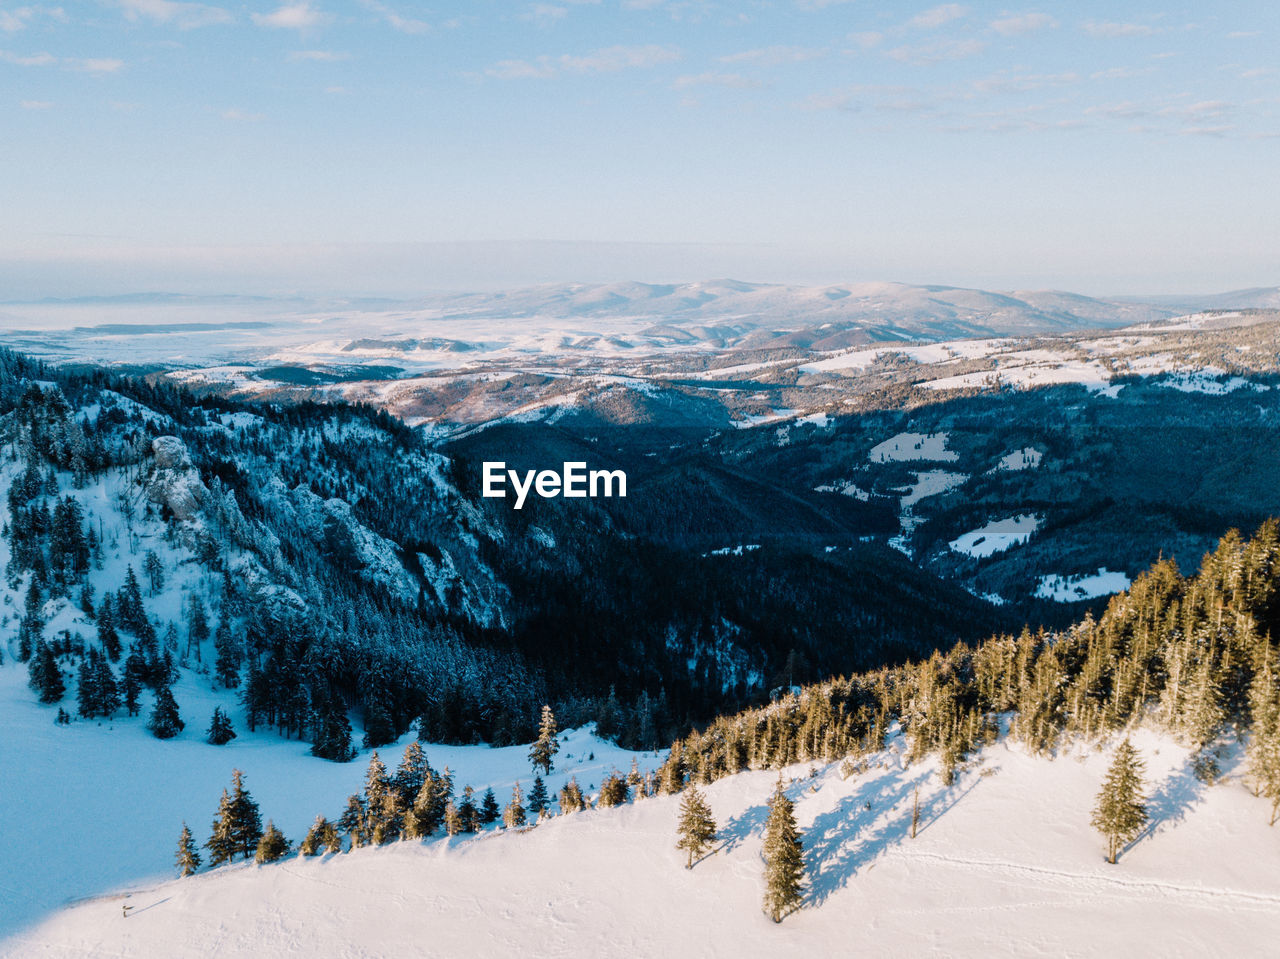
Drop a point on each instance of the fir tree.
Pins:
(489, 810)
(321, 837)
(1120, 813)
(545, 747)
(538, 798)
(613, 791)
(220, 844)
(45, 678)
(188, 859)
(453, 822)
(244, 824)
(165, 722)
(220, 732)
(154, 569)
(378, 729)
(467, 811)
(352, 821)
(513, 817)
(226, 666)
(333, 732)
(696, 829)
(783, 857)
(272, 846)
(571, 798)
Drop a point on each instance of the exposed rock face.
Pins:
(174, 483)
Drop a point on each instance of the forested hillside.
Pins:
(328, 565)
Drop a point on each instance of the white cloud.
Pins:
(604, 60)
(185, 16)
(296, 16)
(1111, 28)
(97, 65)
(544, 13)
(32, 60)
(711, 79)
(936, 52)
(1018, 24)
(395, 20)
(36, 105)
(936, 17)
(240, 116)
(11, 21)
(774, 56)
(866, 39)
(1015, 81)
(1121, 73)
(321, 56)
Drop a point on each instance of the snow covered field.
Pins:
(100, 805)
(1005, 864)
(1070, 589)
(996, 536)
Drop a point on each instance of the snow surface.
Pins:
(996, 536)
(1004, 864)
(1071, 589)
(102, 803)
(931, 483)
(1027, 458)
(913, 446)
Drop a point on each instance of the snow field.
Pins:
(101, 803)
(1070, 589)
(996, 536)
(1004, 864)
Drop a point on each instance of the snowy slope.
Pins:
(100, 804)
(1005, 864)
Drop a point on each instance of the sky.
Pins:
(371, 147)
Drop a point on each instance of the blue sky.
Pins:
(374, 146)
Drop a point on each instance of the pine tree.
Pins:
(188, 859)
(45, 679)
(165, 722)
(245, 824)
(544, 748)
(467, 811)
(613, 791)
(154, 569)
(783, 857)
(1120, 812)
(220, 731)
(333, 732)
(489, 810)
(538, 798)
(272, 847)
(513, 817)
(571, 798)
(226, 664)
(220, 844)
(321, 837)
(352, 821)
(453, 822)
(696, 829)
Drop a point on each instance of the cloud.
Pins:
(1015, 81)
(866, 39)
(774, 56)
(1111, 28)
(936, 17)
(240, 116)
(32, 60)
(544, 13)
(296, 16)
(732, 80)
(97, 65)
(1017, 25)
(394, 19)
(1121, 73)
(604, 60)
(939, 52)
(184, 16)
(36, 105)
(11, 21)
(321, 56)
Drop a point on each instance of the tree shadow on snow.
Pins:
(1171, 801)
